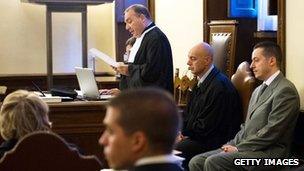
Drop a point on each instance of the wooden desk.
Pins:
(80, 123)
(107, 82)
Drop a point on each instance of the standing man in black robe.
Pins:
(150, 61)
(213, 112)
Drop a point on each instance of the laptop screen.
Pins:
(87, 83)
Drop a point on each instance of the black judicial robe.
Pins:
(213, 112)
(152, 65)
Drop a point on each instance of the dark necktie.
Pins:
(261, 90)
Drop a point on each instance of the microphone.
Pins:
(38, 89)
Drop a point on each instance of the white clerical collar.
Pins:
(137, 44)
(271, 78)
(202, 79)
(169, 158)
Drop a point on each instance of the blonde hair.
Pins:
(21, 113)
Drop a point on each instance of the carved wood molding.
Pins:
(281, 33)
(151, 7)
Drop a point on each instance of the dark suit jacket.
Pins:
(213, 114)
(152, 65)
(158, 167)
(270, 120)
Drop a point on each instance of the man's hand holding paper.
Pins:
(122, 68)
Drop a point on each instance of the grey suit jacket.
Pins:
(270, 120)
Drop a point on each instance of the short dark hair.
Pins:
(130, 41)
(152, 111)
(270, 49)
(140, 9)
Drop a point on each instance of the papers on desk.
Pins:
(51, 99)
(107, 59)
(48, 98)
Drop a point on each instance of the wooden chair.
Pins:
(2, 92)
(177, 84)
(182, 87)
(244, 81)
(222, 37)
(46, 151)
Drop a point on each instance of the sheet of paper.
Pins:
(51, 99)
(107, 59)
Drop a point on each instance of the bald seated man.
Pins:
(213, 113)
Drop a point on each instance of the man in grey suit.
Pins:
(271, 117)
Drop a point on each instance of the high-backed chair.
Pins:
(2, 92)
(48, 152)
(244, 81)
(177, 84)
(182, 86)
(222, 37)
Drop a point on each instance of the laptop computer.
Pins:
(88, 86)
